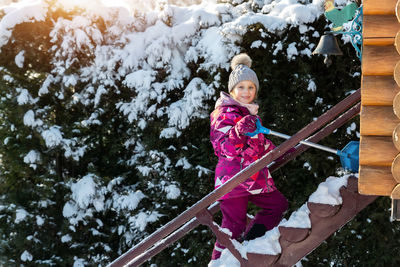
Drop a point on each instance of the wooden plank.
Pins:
(379, 60)
(378, 120)
(379, 7)
(378, 90)
(377, 150)
(380, 26)
(377, 181)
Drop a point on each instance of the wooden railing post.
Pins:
(223, 238)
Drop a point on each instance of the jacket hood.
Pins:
(225, 99)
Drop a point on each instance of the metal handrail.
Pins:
(189, 214)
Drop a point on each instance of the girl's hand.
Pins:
(247, 124)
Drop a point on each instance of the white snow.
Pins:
(291, 51)
(141, 220)
(84, 190)
(39, 220)
(79, 262)
(44, 89)
(170, 132)
(140, 79)
(351, 128)
(52, 136)
(328, 191)
(16, 14)
(32, 157)
(298, 219)
(278, 48)
(66, 238)
(29, 119)
(69, 210)
(311, 86)
(267, 244)
(23, 97)
(184, 163)
(26, 256)
(130, 201)
(202, 171)
(173, 192)
(20, 215)
(19, 59)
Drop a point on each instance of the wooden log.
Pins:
(379, 60)
(395, 169)
(377, 181)
(396, 73)
(397, 42)
(380, 29)
(379, 41)
(383, 7)
(398, 10)
(377, 151)
(378, 120)
(396, 105)
(396, 137)
(378, 90)
(396, 192)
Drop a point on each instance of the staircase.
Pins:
(295, 243)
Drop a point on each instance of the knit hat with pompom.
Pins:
(241, 71)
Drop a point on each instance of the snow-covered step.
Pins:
(336, 202)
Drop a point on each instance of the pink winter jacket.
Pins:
(236, 152)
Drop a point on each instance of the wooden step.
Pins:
(296, 243)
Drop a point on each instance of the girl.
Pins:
(235, 115)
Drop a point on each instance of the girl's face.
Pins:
(244, 92)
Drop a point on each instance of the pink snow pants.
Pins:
(234, 214)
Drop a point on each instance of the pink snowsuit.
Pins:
(235, 152)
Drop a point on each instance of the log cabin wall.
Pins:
(379, 171)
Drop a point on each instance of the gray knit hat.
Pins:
(241, 71)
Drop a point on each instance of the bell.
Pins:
(328, 45)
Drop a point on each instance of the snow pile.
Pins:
(20, 215)
(26, 11)
(299, 218)
(326, 193)
(26, 256)
(31, 158)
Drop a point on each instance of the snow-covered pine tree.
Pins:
(94, 104)
(83, 168)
